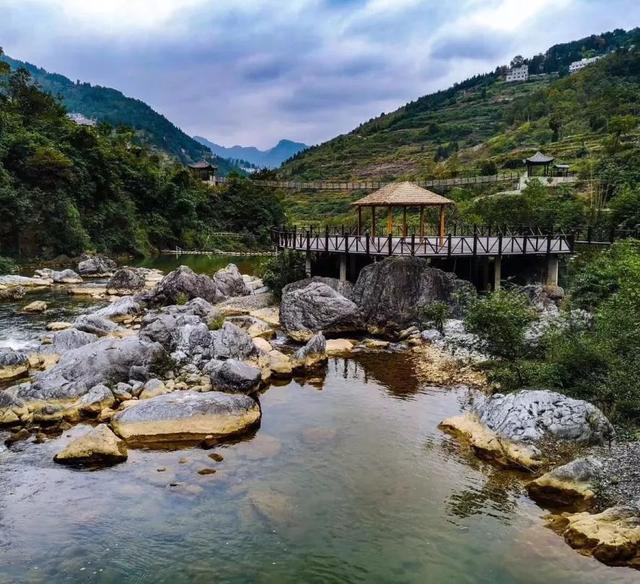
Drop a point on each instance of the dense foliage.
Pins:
(109, 106)
(599, 360)
(66, 188)
(283, 269)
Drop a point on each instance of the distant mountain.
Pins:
(271, 158)
(105, 104)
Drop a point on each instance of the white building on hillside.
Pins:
(582, 63)
(81, 120)
(518, 74)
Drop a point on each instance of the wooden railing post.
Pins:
(326, 238)
(449, 245)
(413, 244)
(389, 243)
(367, 242)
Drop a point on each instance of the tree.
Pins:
(517, 61)
(500, 320)
(619, 126)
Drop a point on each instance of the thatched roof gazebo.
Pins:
(404, 195)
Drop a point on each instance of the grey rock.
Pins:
(90, 323)
(392, 293)
(126, 279)
(314, 353)
(230, 282)
(122, 391)
(96, 266)
(185, 283)
(186, 416)
(70, 339)
(237, 377)
(103, 361)
(120, 309)
(13, 365)
(59, 277)
(431, 335)
(161, 327)
(231, 342)
(530, 415)
(314, 305)
(97, 398)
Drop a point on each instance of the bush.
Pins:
(436, 313)
(500, 321)
(282, 269)
(7, 266)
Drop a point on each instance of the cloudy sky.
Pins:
(253, 71)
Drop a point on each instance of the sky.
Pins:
(252, 72)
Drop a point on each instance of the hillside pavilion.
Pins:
(403, 195)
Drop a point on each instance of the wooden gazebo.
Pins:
(403, 195)
(538, 159)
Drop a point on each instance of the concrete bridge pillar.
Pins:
(497, 272)
(343, 268)
(552, 270)
(307, 264)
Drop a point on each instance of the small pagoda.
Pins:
(204, 170)
(538, 160)
(403, 195)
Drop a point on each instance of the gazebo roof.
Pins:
(203, 164)
(402, 194)
(539, 158)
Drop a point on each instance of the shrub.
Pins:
(282, 269)
(436, 313)
(7, 266)
(216, 323)
(182, 298)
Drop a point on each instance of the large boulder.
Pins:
(231, 342)
(69, 339)
(186, 416)
(392, 293)
(103, 361)
(184, 284)
(530, 415)
(230, 282)
(236, 377)
(122, 309)
(313, 354)
(316, 304)
(98, 447)
(96, 325)
(59, 277)
(13, 365)
(162, 327)
(98, 266)
(568, 484)
(126, 281)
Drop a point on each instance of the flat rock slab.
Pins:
(186, 416)
(100, 446)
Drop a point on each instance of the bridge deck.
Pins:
(432, 246)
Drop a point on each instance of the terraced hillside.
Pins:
(485, 124)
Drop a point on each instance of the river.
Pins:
(347, 479)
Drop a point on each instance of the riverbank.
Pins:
(237, 347)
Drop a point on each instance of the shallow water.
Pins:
(348, 479)
(202, 264)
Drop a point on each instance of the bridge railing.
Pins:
(449, 245)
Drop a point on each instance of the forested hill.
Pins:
(67, 188)
(108, 105)
(484, 124)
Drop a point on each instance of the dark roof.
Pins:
(539, 158)
(202, 165)
(400, 194)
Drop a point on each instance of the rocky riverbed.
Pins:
(177, 360)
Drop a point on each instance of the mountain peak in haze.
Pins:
(271, 158)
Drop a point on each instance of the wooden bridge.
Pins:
(324, 185)
(335, 241)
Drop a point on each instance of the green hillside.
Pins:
(484, 124)
(67, 188)
(110, 106)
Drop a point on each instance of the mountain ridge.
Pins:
(109, 105)
(271, 158)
